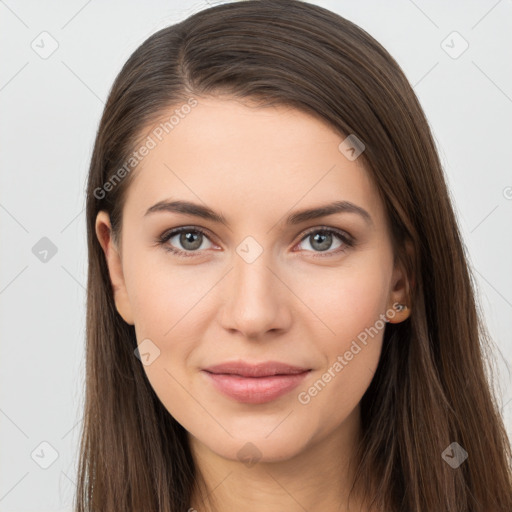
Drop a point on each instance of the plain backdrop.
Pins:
(58, 62)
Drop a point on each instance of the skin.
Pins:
(294, 303)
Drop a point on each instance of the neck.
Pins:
(319, 478)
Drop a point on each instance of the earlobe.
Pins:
(115, 268)
(398, 312)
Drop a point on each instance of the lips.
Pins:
(256, 383)
(264, 369)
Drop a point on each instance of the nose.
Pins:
(257, 300)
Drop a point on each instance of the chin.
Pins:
(250, 447)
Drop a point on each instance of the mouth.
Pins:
(255, 384)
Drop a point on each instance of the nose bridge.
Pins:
(255, 301)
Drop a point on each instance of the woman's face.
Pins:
(266, 284)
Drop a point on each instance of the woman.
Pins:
(280, 313)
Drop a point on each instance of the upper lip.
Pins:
(263, 369)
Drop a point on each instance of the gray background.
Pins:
(51, 105)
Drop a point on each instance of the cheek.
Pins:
(351, 356)
(162, 295)
(351, 303)
(357, 306)
(163, 299)
(168, 311)
(345, 300)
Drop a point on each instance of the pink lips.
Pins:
(255, 384)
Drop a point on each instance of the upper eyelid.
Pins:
(169, 233)
(338, 231)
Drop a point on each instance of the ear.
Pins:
(399, 301)
(115, 268)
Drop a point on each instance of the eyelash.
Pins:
(347, 240)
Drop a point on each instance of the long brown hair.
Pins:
(432, 387)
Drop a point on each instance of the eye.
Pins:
(190, 238)
(321, 239)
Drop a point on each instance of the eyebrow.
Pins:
(298, 217)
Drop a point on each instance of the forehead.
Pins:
(254, 160)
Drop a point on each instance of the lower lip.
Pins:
(255, 390)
